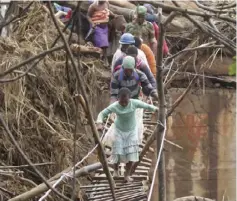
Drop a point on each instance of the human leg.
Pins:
(127, 175)
(105, 59)
(116, 170)
(101, 40)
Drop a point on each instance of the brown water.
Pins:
(204, 125)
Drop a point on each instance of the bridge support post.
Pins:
(161, 115)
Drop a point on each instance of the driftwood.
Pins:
(85, 49)
(123, 4)
(189, 11)
(42, 187)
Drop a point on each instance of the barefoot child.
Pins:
(125, 145)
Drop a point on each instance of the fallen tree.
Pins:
(42, 187)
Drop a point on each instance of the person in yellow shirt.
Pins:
(149, 54)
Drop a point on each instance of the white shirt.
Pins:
(141, 55)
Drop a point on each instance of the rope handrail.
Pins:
(157, 162)
(69, 174)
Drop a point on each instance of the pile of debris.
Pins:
(39, 104)
(39, 108)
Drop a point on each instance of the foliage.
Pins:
(232, 67)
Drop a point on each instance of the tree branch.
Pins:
(30, 60)
(42, 187)
(212, 9)
(101, 153)
(27, 160)
(3, 24)
(170, 18)
(219, 37)
(203, 46)
(23, 166)
(178, 101)
(188, 11)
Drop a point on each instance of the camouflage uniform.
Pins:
(144, 31)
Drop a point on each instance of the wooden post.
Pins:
(162, 114)
(101, 154)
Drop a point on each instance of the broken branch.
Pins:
(28, 160)
(102, 155)
(30, 60)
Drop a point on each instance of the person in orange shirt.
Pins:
(149, 54)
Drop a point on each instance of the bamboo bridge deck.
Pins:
(99, 189)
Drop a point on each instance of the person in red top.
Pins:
(165, 46)
(151, 17)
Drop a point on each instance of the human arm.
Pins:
(90, 13)
(153, 41)
(141, 104)
(145, 69)
(128, 28)
(115, 58)
(147, 88)
(104, 113)
(150, 57)
(117, 63)
(114, 88)
(165, 48)
(142, 56)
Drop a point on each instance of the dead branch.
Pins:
(178, 101)
(211, 23)
(212, 9)
(174, 144)
(211, 32)
(222, 7)
(170, 18)
(41, 57)
(42, 187)
(6, 191)
(203, 46)
(27, 160)
(76, 104)
(101, 153)
(23, 166)
(188, 11)
(17, 16)
(30, 60)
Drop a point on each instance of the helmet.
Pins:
(142, 10)
(128, 62)
(127, 38)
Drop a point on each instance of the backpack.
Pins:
(135, 75)
(138, 65)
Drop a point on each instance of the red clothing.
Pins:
(165, 46)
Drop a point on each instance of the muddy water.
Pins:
(204, 125)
